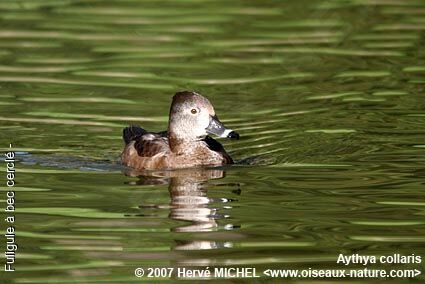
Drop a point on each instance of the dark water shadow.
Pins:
(63, 161)
(69, 162)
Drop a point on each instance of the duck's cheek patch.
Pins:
(204, 120)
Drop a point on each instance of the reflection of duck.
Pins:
(189, 201)
(185, 144)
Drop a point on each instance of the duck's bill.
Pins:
(217, 128)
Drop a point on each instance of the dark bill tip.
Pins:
(233, 135)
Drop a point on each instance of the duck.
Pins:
(185, 144)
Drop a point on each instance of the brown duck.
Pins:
(185, 144)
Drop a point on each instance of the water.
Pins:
(328, 97)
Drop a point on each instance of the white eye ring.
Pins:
(194, 111)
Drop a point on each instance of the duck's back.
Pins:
(146, 150)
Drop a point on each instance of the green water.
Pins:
(328, 97)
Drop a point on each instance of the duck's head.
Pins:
(192, 117)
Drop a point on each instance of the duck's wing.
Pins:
(147, 144)
(215, 146)
(150, 144)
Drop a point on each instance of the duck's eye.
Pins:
(194, 111)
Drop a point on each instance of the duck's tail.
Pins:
(132, 133)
